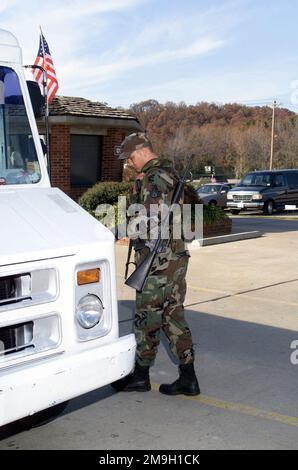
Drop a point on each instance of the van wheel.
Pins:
(268, 208)
(42, 417)
(235, 211)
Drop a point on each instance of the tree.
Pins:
(233, 137)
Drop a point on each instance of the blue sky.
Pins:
(125, 51)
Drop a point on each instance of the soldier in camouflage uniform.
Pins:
(160, 304)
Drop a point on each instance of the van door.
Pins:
(292, 179)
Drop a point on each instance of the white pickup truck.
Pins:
(59, 335)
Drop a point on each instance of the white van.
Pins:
(59, 333)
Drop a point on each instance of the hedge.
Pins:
(103, 193)
(213, 214)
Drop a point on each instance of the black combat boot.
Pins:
(138, 381)
(187, 384)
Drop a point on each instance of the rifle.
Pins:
(138, 186)
(138, 278)
(128, 262)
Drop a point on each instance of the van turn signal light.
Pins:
(88, 276)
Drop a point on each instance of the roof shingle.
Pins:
(75, 106)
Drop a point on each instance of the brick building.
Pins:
(83, 138)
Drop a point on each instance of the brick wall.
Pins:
(60, 159)
(76, 193)
(112, 167)
(223, 227)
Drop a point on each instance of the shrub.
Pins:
(213, 214)
(103, 193)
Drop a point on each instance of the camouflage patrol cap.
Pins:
(132, 142)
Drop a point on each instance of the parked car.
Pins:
(265, 190)
(214, 194)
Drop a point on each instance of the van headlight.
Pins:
(257, 197)
(89, 311)
(229, 196)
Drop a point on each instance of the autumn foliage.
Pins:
(233, 137)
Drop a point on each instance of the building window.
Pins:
(85, 159)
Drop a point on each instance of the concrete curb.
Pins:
(233, 237)
(270, 217)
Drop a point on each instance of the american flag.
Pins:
(44, 60)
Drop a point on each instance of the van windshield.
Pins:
(257, 179)
(18, 159)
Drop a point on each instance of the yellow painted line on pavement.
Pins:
(238, 294)
(239, 407)
(208, 289)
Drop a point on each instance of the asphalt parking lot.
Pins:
(278, 223)
(242, 306)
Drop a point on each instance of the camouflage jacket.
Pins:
(156, 189)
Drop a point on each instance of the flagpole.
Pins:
(45, 87)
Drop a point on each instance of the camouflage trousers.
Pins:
(160, 306)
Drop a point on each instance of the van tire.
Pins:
(268, 207)
(212, 203)
(235, 211)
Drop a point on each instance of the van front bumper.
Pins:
(24, 390)
(245, 205)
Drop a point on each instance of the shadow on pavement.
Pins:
(212, 333)
(219, 342)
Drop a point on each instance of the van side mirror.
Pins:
(36, 97)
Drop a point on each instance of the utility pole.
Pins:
(272, 135)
